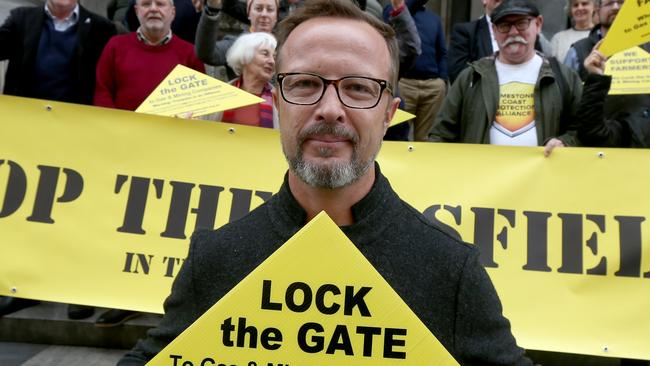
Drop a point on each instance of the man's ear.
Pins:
(390, 112)
(274, 93)
(540, 22)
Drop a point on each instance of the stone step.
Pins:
(27, 354)
(48, 323)
(43, 335)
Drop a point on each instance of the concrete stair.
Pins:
(43, 335)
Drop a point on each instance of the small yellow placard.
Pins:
(186, 91)
(401, 116)
(630, 72)
(316, 301)
(631, 28)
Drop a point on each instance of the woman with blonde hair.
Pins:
(581, 13)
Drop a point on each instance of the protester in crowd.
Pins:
(399, 17)
(252, 58)
(606, 120)
(184, 24)
(423, 85)
(52, 51)
(581, 13)
(472, 41)
(607, 11)
(131, 67)
(263, 15)
(134, 64)
(337, 66)
(517, 97)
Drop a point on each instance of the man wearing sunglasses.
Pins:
(516, 97)
(336, 70)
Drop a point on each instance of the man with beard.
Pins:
(336, 70)
(516, 97)
(132, 65)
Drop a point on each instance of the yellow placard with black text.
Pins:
(630, 28)
(187, 92)
(329, 307)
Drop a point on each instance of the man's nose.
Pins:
(330, 106)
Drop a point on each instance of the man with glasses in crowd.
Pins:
(337, 68)
(516, 97)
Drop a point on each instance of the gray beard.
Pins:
(329, 175)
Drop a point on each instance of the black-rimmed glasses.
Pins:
(358, 92)
(520, 25)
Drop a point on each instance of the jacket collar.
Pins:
(370, 213)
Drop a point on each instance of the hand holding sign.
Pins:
(630, 28)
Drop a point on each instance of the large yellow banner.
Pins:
(96, 207)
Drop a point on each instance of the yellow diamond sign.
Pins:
(316, 301)
(188, 92)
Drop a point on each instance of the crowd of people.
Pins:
(490, 84)
(498, 81)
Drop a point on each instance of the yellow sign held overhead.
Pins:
(186, 91)
(401, 116)
(319, 261)
(630, 71)
(631, 27)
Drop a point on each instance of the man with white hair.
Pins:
(133, 64)
(516, 97)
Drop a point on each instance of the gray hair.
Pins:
(241, 52)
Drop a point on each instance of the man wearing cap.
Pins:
(515, 97)
(337, 67)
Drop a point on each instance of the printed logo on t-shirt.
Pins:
(516, 106)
